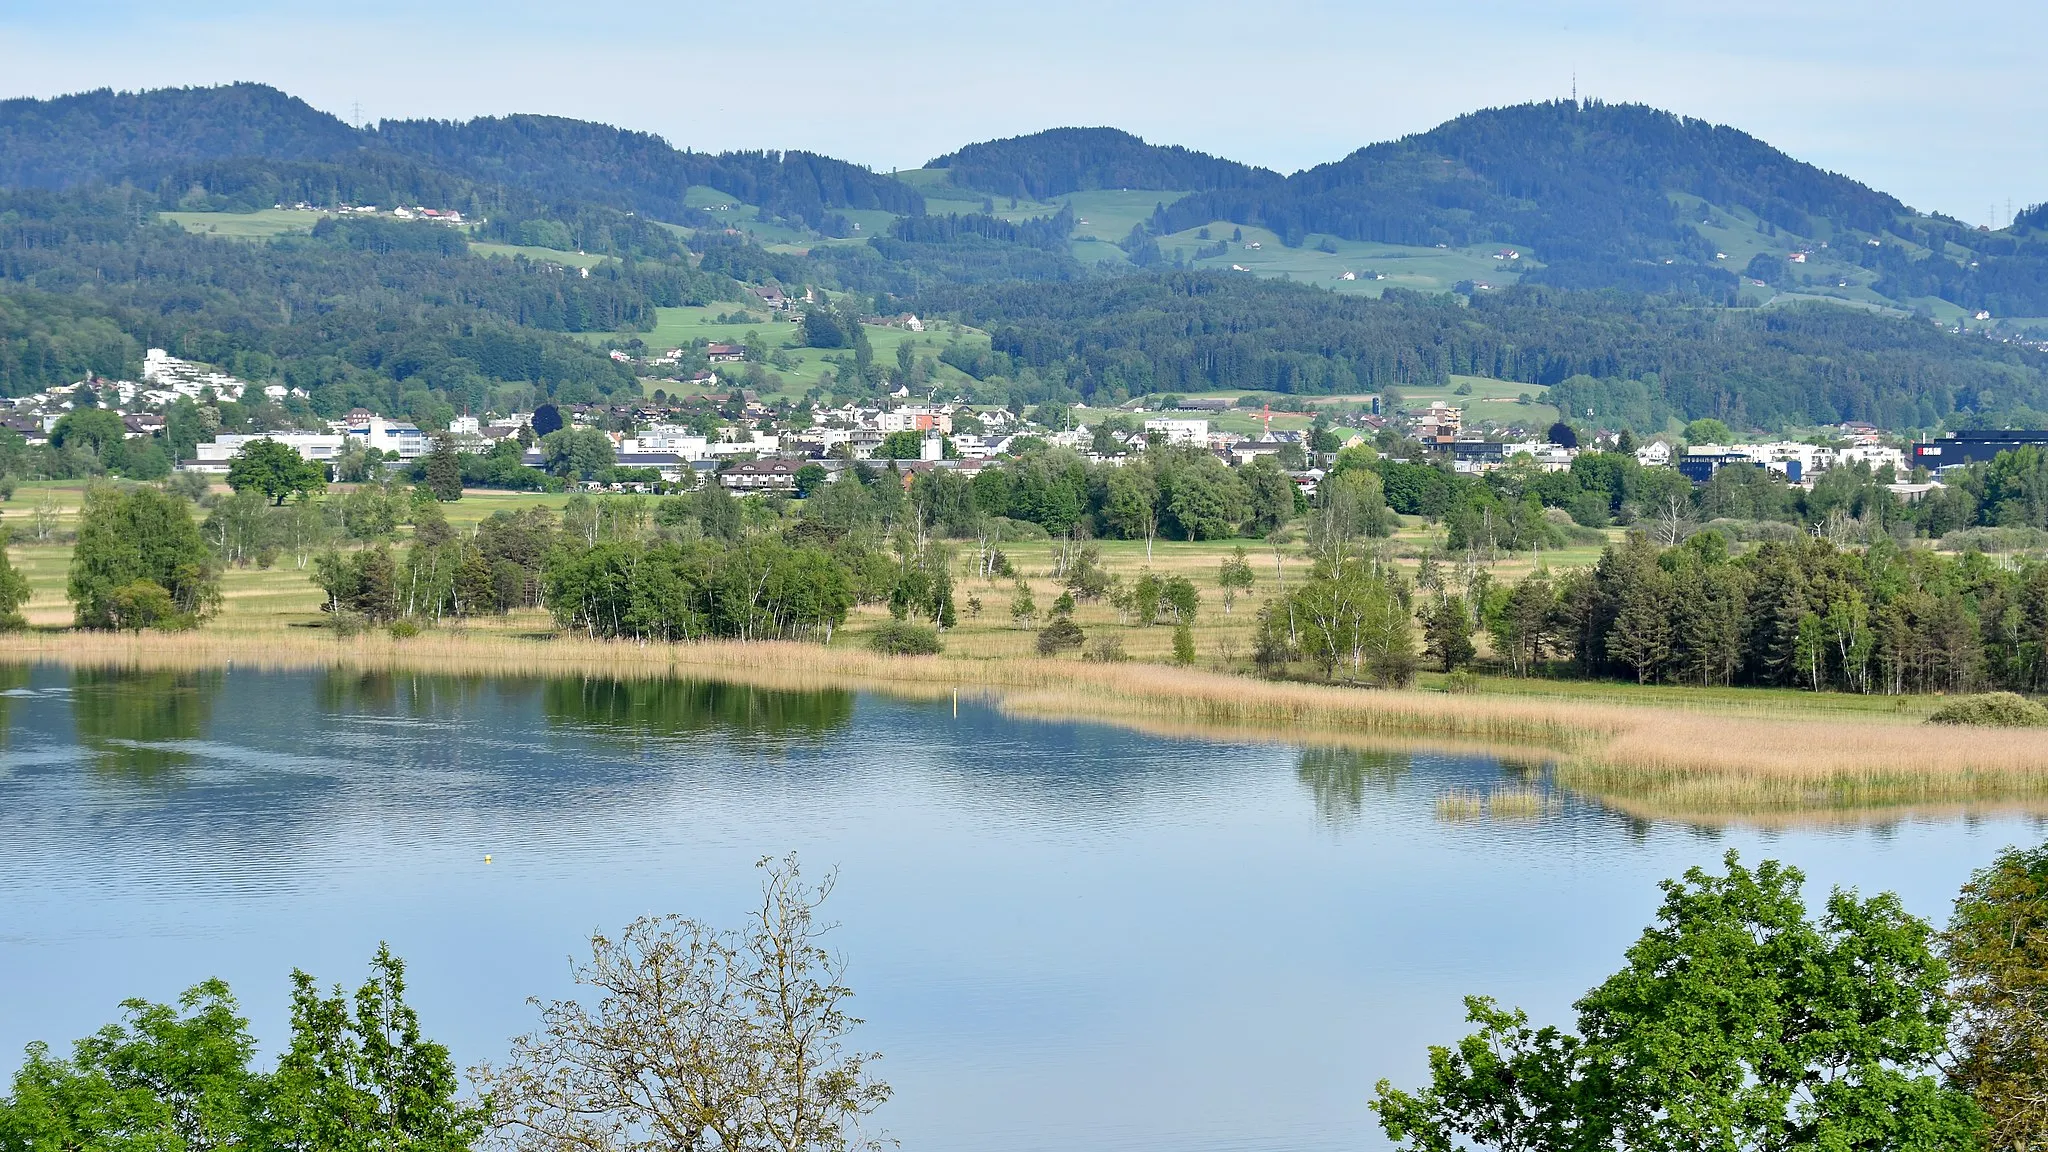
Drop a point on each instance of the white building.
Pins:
(915, 418)
(1174, 430)
(391, 437)
(215, 457)
(670, 438)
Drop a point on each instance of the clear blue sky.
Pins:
(1939, 106)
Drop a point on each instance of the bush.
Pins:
(1992, 710)
(1008, 530)
(1461, 682)
(902, 638)
(1107, 650)
(405, 629)
(1062, 635)
(1183, 644)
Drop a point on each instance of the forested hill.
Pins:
(1064, 160)
(1635, 360)
(1588, 185)
(111, 136)
(237, 138)
(575, 159)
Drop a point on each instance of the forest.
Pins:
(1062, 160)
(1200, 331)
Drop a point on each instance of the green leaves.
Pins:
(357, 1076)
(1997, 942)
(1739, 1022)
(276, 470)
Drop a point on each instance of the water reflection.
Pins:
(1338, 778)
(1031, 907)
(408, 694)
(138, 723)
(669, 708)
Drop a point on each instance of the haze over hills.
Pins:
(1484, 235)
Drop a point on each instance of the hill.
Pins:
(242, 142)
(1594, 188)
(1205, 332)
(558, 158)
(110, 136)
(1064, 160)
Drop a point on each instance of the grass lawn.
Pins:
(541, 255)
(259, 225)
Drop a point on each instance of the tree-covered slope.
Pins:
(1588, 185)
(553, 157)
(1063, 160)
(1183, 332)
(109, 136)
(243, 142)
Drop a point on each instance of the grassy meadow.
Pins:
(677, 327)
(259, 225)
(540, 255)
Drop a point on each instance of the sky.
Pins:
(1936, 106)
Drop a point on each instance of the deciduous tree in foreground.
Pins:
(1739, 1023)
(1997, 943)
(701, 1039)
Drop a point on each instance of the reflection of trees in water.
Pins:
(683, 707)
(126, 716)
(12, 676)
(411, 694)
(1339, 777)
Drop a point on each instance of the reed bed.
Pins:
(1649, 759)
(1460, 804)
(1519, 802)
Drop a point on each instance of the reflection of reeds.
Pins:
(1518, 802)
(1460, 804)
(1647, 758)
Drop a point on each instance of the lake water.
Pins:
(1063, 936)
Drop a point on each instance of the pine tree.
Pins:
(1447, 634)
(1641, 636)
(444, 471)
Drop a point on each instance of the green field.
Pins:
(260, 225)
(770, 234)
(1494, 403)
(677, 327)
(541, 255)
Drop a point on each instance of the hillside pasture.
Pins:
(264, 224)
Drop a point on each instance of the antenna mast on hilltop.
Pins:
(1575, 85)
(355, 112)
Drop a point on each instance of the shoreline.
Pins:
(1649, 760)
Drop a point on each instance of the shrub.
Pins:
(405, 629)
(1107, 650)
(902, 638)
(1461, 682)
(1062, 635)
(1183, 644)
(1992, 710)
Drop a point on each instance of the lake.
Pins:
(1062, 935)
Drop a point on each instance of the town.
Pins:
(725, 434)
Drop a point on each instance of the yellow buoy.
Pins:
(487, 857)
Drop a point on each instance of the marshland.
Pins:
(1709, 753)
